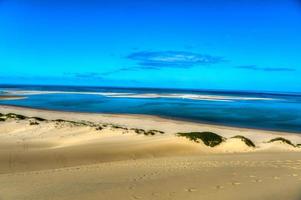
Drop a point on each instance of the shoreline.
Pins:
(11, 97)
(152, 117)
(148, 122)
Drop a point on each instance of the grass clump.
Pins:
(281, 139)
(146, 132)
(153, 132)
(2, 117)
(149, 132)
(98, 128)
(33, 123)
(39, 119)
(139, 131)
(73, 123)
(15, 116)
(116, 126)
(247, 141)
(208, 138)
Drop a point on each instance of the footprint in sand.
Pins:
(190, 189)
(257, 181)
(136, 197)
(219, 187)
(131, 187)
(235, 183)
(155, 194)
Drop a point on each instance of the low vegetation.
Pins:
(138, 131)
(156, 131)
(98, 128)
(2, 117)
(19, 117)
(73, 123)
(247, 141)
(62, 122)
(38, 119)
(33, 123)
(208, 138)
(281, 139)
(15, 116)
(147, 132)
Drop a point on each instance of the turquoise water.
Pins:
(244, 109)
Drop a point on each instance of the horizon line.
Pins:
(160, 88)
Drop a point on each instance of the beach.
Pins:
(68, 155)
(150, 100)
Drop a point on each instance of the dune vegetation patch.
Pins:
(208, 138)
(15, 116)
(38, 119)
(59, 123)
(247, 141)
(283, 140)
(2, 117)
(12, 116)
(32, 123)
(147, 132)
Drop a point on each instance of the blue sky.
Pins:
(222, 44)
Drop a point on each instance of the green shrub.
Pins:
(99, 128)
(247, 141)
(281, 139)
(59, 120)
(39, 119)
(208, 138)
(33, 123)
(139, 131)
(116, 126)
(153, 132)
(74, 123)
(15, 116)
(149, 132)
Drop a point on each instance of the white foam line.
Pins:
(36, 92)
(144, 95)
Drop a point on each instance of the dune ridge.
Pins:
(64, 155)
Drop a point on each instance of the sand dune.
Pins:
(55, 159)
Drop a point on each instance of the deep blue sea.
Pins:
(272, 111)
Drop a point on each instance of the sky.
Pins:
(197, 44)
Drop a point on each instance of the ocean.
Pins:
(261, 110)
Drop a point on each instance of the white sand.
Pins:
(61, 161)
